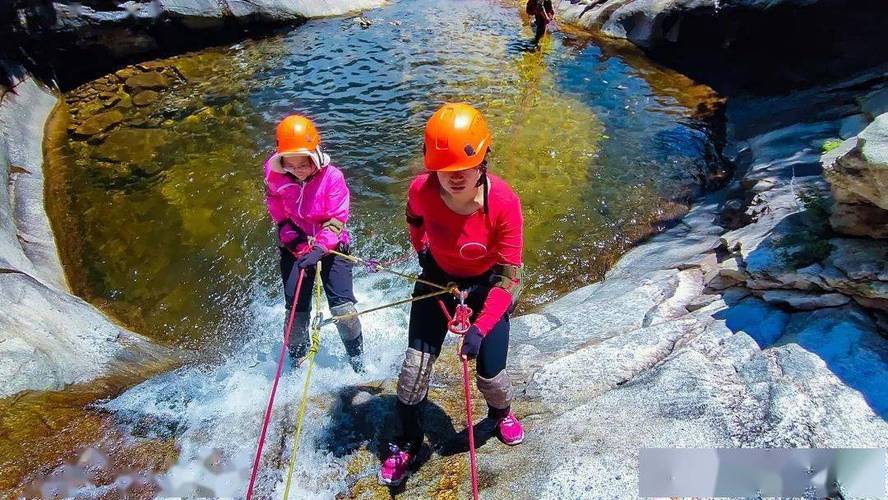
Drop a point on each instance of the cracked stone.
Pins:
(805, 301)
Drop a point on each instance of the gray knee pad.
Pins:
(413, 383)
(497, 390)
(299, 341)
(349, 329)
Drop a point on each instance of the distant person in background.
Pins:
(308, 199)
(543, 13)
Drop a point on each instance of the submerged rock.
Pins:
(148, 80)
(99, 123)
(135, 146)
(145, 98)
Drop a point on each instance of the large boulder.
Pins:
(48, 337)
(268, 10)
(858, 174)
(722, 42)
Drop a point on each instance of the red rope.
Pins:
(470, 426)
(459, 324)
(277, 377)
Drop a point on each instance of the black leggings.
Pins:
(428, 326)
(336, 274)
(427, 330)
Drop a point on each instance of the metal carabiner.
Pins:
(460, 323)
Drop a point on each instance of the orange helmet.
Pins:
(298, 136)
(456, 138)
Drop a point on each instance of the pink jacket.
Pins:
(318, 207)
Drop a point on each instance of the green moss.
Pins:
(830, 144)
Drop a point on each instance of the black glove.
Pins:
(289, 235)
(311, 258)
(472, 342)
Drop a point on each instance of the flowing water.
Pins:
(160, 216)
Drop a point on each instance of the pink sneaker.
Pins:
(510, 430)
(395, 468)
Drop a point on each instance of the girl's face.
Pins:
(300, 166)
(461, 182)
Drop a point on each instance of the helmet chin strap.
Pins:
(482, 181)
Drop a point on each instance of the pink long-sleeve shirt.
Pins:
(309, 205)
(469, 245)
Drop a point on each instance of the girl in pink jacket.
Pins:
(308, 199)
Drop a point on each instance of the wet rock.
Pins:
(151, 65)
(145, 98)
(125, 73)
(877, 305)
(97, 139)
(363, 22)
(99, 123)
(683, 244)
(125, 102)
(858, 175)
(104, 87)
(804, 301)
(89, 109)
(149, 80)
(111, 100)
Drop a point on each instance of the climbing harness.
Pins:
(277, 377)
(312, 351)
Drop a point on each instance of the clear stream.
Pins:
(161, 220)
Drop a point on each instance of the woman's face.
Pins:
(460, 182)
(299, 166)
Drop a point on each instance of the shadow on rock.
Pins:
(362, 416)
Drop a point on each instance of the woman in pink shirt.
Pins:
(308, 199)
(466, 226)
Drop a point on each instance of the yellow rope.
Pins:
(411, 277)
(450, 288)
(341, 317)
(315, 345)
(316, 339)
